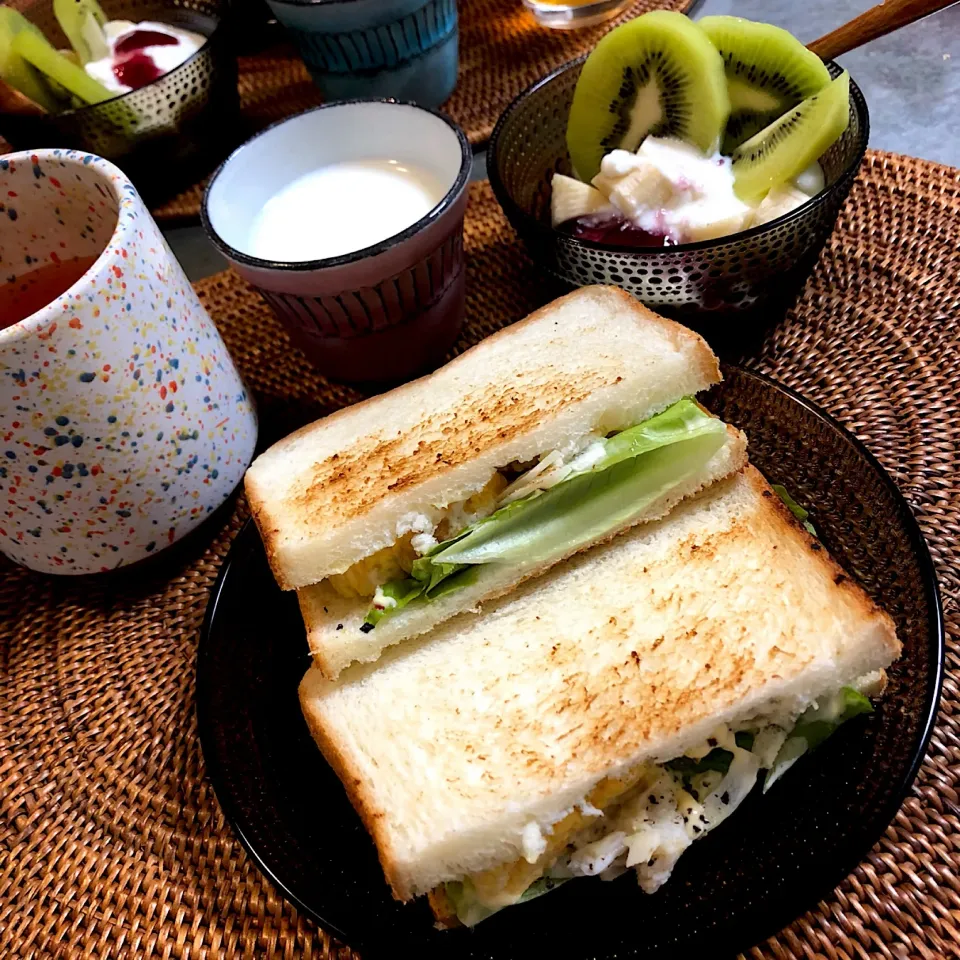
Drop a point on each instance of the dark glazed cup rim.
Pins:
(524, 221)
(86, 108)
(300, 266)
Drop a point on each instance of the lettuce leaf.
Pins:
(799, 512)
(639, 465)
(584, 508)
(717, 760)
(401, 591)
(470, 910)
(814, 726)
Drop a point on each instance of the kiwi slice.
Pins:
(35, 49)
(790, 144)
(14, 69)
(768, 71)
(82, 22)
(657, 75)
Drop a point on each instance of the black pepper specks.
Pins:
(339, 626)
(366, 627)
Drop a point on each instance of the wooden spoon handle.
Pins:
(878, 21)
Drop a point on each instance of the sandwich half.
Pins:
(608, 714)
(549, 437)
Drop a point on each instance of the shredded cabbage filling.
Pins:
(646, 819)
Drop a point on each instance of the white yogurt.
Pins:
(341, 208)
(699, 202)
(167, 57)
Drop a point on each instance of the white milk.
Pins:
(341, 208)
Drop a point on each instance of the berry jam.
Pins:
(134, 68)
(137, 40)
(614, 230)
(137, 71)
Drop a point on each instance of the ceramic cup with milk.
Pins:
(349, 221)
(123, 421)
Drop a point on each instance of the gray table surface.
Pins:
(911, 80)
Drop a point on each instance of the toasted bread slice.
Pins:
(345, 487)
(634, 651)
(334, 623)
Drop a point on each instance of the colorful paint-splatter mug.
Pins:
(123, 420)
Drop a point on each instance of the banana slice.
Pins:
(779, 202)
(642, 188)
(571, 198)
(811, 180)
(722, 227)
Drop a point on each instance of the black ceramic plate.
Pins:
(769, 863)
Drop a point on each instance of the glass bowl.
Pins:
(740, 282)
(166, 135)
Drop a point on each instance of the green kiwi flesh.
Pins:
(656, 75)
(35, 49)
(768, 72)
(786, 147)
(16, 71)
(82, 22)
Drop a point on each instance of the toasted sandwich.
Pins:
(608, 714)
(549, 437)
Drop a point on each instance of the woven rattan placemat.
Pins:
(111, 841)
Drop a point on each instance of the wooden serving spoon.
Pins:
(876, 22)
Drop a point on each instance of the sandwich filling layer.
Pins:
(646, 818)
(536, 513)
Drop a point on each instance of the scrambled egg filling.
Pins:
(503, 885)
(395, 562)
(363, 578)
(644, 819)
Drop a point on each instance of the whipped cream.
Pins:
(165, 56)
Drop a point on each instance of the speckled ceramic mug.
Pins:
(123, 420)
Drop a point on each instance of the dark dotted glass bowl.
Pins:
(753, 274)
(169, 133)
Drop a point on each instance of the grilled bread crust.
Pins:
(334, 623)
(340, 489)
(634, 651)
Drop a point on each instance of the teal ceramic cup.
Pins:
(405, 49)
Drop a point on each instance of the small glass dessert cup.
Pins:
(168, 133)
(348, 219)
(571, 14)
(715, 285)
